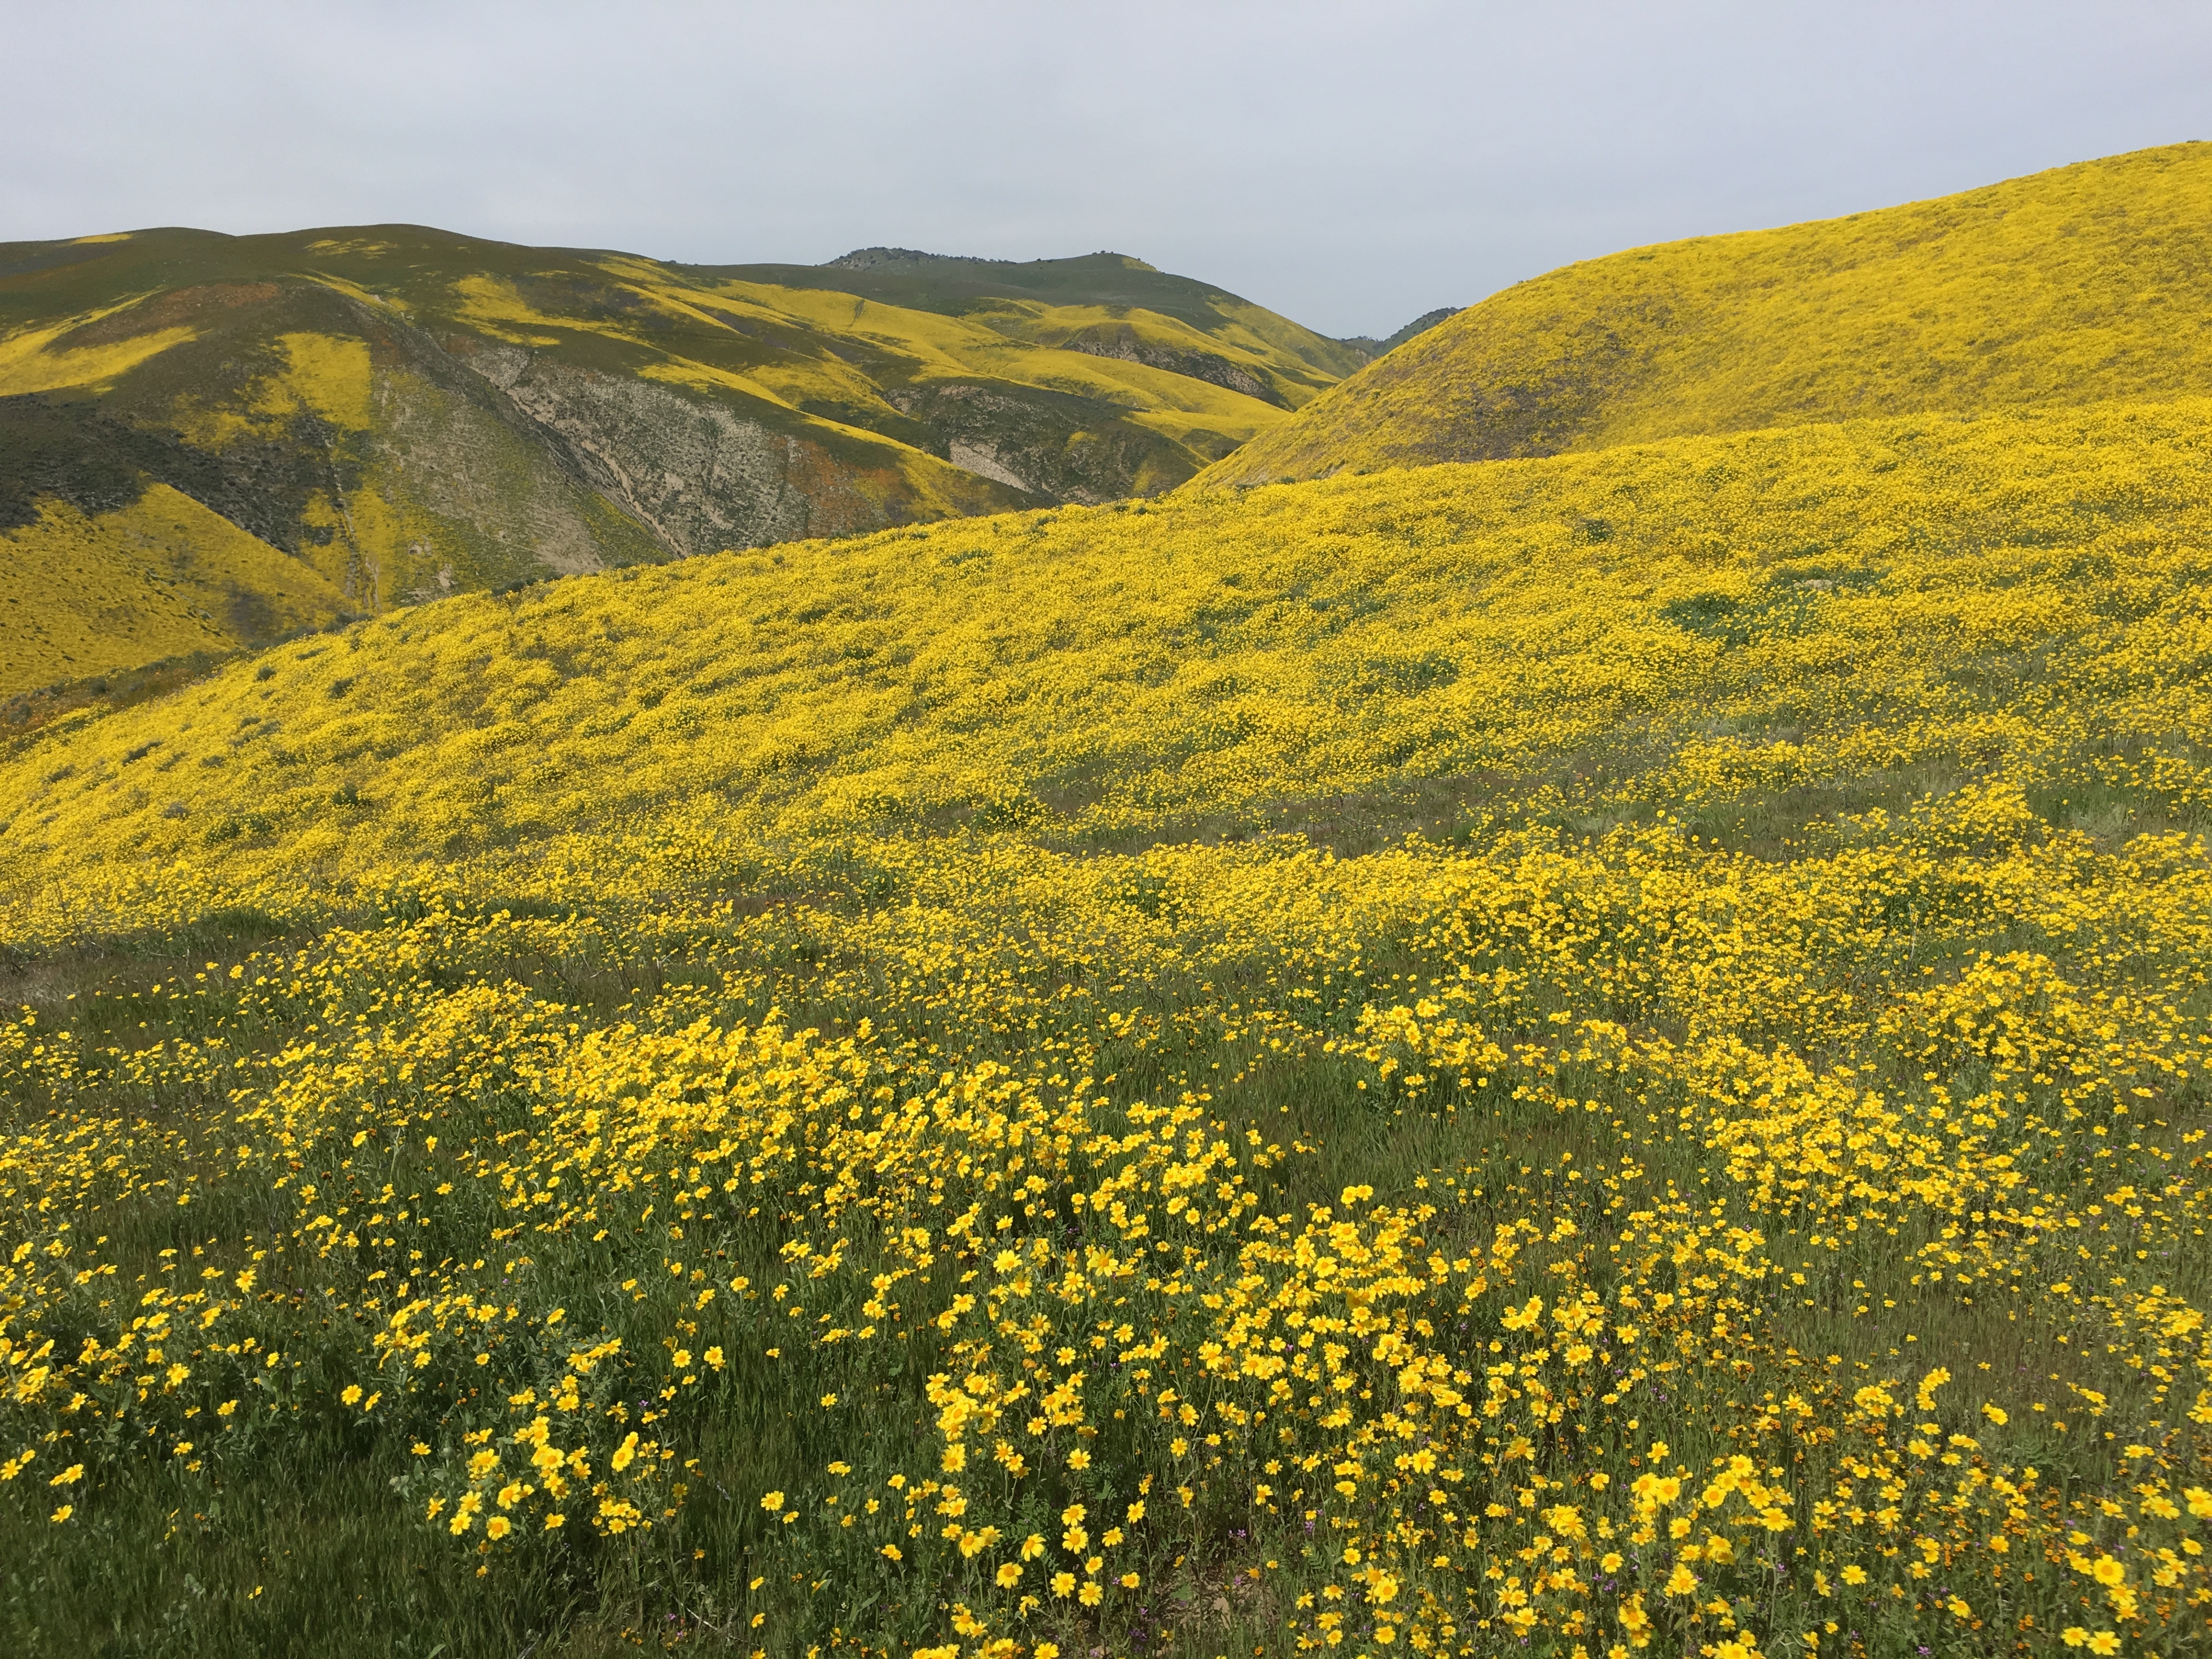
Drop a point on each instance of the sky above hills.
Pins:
(1349, 165)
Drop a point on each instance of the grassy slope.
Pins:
(408, 413)
(1123, 671)
(83, 594)
(1802, 884)
(2086, 282)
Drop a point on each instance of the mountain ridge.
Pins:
(405, 411)
(1420, 324)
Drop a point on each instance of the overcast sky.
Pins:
(1350, 164)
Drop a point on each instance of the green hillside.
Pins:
(2087, 282)
(393, 413)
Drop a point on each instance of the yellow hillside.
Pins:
(2083, 283)
(30, 361)
(405, 413)
(1198, 664)
(1015, 343)
(85, 595)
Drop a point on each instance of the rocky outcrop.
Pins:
(879, 258)
(459, 460)
(983, 459)
(697, 474)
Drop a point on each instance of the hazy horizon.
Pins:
(1350, 167)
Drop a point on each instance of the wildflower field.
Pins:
(1584, 1056)
(2071, 286)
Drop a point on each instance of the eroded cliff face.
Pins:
(484, 480)
(337, 435)
(424, 479)
(696, 474)
(400, 461)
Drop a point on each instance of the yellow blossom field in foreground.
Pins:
(1603, 1053)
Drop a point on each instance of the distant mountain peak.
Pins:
(895, 258)
(875, 258)
(1420, 324)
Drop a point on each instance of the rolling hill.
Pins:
(1193, 666)
(1601, 1052)
(384, 414)
(2087, 283)
(817, 1094)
